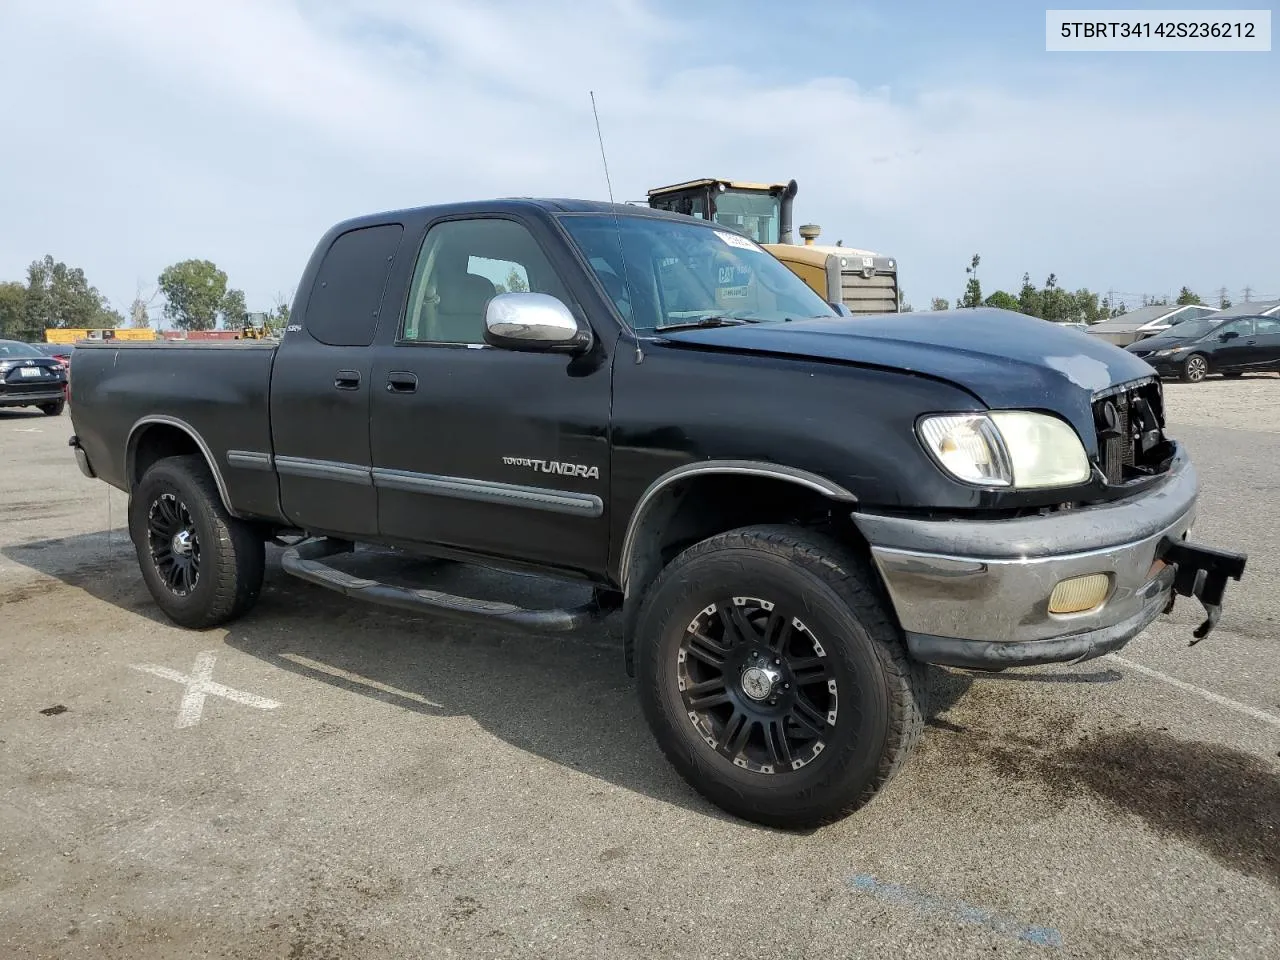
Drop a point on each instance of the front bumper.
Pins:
(974, 593)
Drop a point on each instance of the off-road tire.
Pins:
(1195, 368)
(232, 553)
(53, 409)
(884, 692)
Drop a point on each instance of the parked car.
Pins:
(792, 511)
(28, 378)
(59, 351)
(1194, 349)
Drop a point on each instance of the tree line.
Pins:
(195, 294)
(1051, 301)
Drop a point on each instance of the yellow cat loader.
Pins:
(862, 280)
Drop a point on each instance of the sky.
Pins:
(138, 133)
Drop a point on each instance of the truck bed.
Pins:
(214, 392)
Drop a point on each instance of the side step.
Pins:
(303, 561)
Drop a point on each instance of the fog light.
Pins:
(1079, 593)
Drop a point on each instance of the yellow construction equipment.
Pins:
(862, 280)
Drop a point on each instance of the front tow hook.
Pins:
(1201, 572)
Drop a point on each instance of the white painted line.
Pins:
(356, 678)
(1230, 704)
(199, 685)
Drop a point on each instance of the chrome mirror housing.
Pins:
(533, 321)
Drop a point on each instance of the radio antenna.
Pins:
(617, 227)
(599, 136)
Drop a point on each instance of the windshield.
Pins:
(678, 272)
(13, 350)
(755, 214)
(1190, 328)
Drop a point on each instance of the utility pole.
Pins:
(1248, 294)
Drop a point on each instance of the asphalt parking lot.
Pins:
(327, 779)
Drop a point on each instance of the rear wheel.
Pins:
(202, 565)
(774, 678)
(1195, 368)
(53, 409)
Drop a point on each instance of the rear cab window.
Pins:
(344, 304)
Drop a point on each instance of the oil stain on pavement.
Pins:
(1224, 801)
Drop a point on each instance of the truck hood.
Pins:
(1004, 358)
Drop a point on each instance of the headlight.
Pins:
(1169, 352)
(1006, 448)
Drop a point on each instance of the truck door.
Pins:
(489, 451)
(321, 385)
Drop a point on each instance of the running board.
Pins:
(303, 562)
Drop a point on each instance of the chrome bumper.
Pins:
(976, 593)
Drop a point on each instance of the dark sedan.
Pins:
(1196, 348)
(28, 378)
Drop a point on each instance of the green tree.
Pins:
(1030, 300)
(233, 310)
(1002, 301)
(60, 296)
(193, 292)
(903, 306)
(515, 282)
(1112, 309)
(13, 313)
(278, 318)
(972, 296)
(940, 303)
(1085, 306)
(1185, 297)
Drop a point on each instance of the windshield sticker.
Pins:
(732, 282)
(734, 240)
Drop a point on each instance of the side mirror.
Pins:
(1229, 335)
(533, 322)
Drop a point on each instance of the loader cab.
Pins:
(761, 211)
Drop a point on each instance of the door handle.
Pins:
(401, 381)
(347, 380)
(1250, 342)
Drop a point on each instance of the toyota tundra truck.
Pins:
(792, 511)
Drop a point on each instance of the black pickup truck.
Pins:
(791, 510)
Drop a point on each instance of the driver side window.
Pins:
(463, 264)
(1241, 328)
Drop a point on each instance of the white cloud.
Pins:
(147, 131)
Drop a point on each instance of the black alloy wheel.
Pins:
(774, 676)
(202, 566)
(174, 544)
(757, 685)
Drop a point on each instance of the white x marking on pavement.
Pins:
(199, 685)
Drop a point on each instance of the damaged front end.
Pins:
(1201, 572)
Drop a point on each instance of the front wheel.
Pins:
(774, 678)
(1195, 368)
(202, 565)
